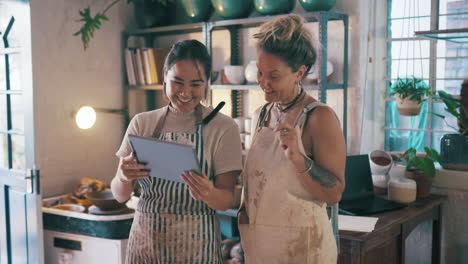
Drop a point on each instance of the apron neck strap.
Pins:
(198, 112)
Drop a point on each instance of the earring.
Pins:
(300, 85)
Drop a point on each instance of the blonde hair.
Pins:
(287, 38)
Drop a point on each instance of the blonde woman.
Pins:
(297, 158)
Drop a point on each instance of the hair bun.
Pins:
(283, 28)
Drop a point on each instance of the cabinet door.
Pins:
(72, 248)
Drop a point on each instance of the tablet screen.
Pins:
(166, 160)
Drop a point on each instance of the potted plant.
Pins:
(410, 93)
(421, 168)
(148, 13)
(454, 146)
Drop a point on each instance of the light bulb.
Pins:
(85, 117)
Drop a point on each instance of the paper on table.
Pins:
(356, 223)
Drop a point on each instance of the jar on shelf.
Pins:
(402, 190)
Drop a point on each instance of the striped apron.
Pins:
(286, 224)
(169, 225)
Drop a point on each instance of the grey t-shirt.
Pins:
(221, 135)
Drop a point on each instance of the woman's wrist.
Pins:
(124, 181)
(303, 164)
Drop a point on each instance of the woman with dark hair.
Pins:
(296, 161)
(175, 222)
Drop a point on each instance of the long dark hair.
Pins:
(189, 50)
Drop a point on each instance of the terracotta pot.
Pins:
(423, 183)
(407, 107)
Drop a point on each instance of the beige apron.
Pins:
(169, 225)
(287, 224)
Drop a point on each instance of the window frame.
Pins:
(432, 79)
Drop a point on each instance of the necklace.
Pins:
(291, 104)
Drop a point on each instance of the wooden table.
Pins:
(386, 244)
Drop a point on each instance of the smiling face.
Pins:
(185, 84)
(276, 78)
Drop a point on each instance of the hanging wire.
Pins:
(414, 27)
(400, 42)
(420, 48)
(407, 42)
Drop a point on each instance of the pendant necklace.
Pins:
(291, 104)
(282, 110)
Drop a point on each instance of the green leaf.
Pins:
(432, 154)
(426, 165)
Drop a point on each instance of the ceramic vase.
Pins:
(231, 9)
(251, 72)
(454, 152)
(317, 5)
(273, 7)
(197, 10)
(152, 14)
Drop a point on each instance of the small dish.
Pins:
(104, 200)
(70, 207)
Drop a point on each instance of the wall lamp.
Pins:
(85, 117)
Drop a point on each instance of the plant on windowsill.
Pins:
(410, 93)
(421, 168)
(454, 147)
(148, 13)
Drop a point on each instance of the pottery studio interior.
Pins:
(233, 131)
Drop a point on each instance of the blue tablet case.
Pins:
(166, 160)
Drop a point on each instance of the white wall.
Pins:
(64, 77)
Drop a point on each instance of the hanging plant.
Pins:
(91, 23)
(410, 93)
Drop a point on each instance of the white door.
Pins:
(20, 216)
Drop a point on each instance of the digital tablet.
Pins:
(166, 160)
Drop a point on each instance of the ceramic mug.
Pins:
(380, 162)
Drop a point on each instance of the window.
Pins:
(442, 64)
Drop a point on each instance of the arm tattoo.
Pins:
(322, 176)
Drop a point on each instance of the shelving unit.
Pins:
(234, 26)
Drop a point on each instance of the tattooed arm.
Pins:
(324, 176)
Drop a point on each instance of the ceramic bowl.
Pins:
(234, 74)
(104, 200)
(380, 162)
(70, 207)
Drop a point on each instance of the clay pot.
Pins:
(423, 183)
